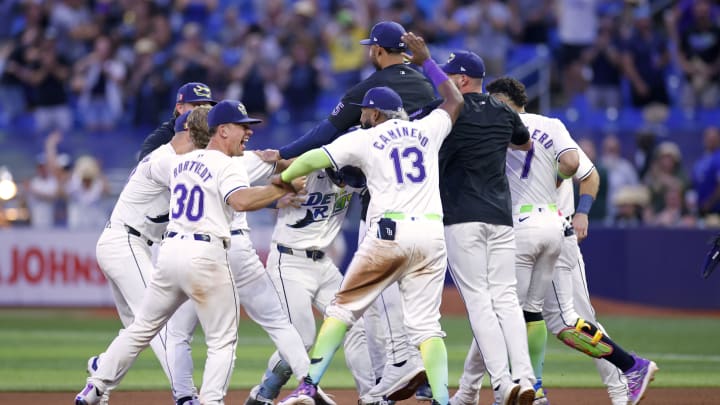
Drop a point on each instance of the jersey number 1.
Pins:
(191, 204)
(418, 173)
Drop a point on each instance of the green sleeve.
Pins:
(307, 163)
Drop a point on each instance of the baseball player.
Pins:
(206, 186)
(189, 96)
(305, 276)
(565, 323)
(400, 363)
(404, 242)
(136, 223)
(256, 293)
(479, 232)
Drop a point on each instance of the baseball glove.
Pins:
(712, 258)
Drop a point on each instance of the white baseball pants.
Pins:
(303, 283)
(482, 263)
(192, 269)
(257, 294)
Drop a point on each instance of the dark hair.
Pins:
(513, 88)
(393, 50)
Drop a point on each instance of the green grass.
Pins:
(47, 350)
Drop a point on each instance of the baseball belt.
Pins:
(526, 208)
(203, 237)
(401, 216)
(132, 231)
(315, 255)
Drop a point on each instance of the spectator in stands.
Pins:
(645, 58)
(342, 39)
(666, 172)
(189, 62)
(631, 207)
(146, 84)
(300, 78)
(646, 142)
(474, 24)
(577, 29)
(675, 213)
(603, 57)
(98, 79)
(599, 210)
(42, 191)
(532, 20)
(45, 76)
(706, 174)
(620, 172)
(255, 77)
(84, 191)
(195, 11)
(72, 22)
(699, 57)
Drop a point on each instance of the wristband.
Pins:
(434, 73)
(282, 177)
(584, 204)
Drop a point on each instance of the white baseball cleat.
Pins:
(400, 382)
(465, 396)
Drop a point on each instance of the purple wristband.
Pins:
(433, 72)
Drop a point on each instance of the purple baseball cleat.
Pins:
(304, 394)
(639, 377)
(90, 395)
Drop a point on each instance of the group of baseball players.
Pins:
(467, 182)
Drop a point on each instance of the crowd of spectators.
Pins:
(110, 64)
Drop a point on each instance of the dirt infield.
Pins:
(558, 396)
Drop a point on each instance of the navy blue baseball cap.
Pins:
(382, 98)
(465, 63)
(181, 122)
(387, 34)
(229, 112)
(195, 92)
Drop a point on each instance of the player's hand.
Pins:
(299, 184)
(580, 225)
(268, 155)
(416, 45)
(292, 200)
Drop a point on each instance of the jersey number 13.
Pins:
(416, 174)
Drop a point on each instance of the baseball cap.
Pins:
(386, 34)
(382, 98)
(181, 122)
(229, 112)
(195, 92)
(465, 63)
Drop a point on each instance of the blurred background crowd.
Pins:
(82, 82)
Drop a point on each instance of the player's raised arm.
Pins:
(453, 99)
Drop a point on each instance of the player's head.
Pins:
(385, 44)
(181, 122)
(510, 91)
(379, 105)
(230, 126)
(467, 70)
(197, 125)
(191, 95)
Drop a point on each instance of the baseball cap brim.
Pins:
(367, 41)
(364, 105)
(248, 120)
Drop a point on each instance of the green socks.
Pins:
(434, 355)
(537, 341)
(328, 340)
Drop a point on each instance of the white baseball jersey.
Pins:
(400, 161)
(143, 203)
(200, 183)
(566, 197)
(259, 172)
(316, 224)
(532, 175)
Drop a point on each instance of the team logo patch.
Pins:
(179, 98)
(242, 109)
(201, 91)
(338, 108)
(452, 56)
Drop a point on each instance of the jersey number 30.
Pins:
(191, 204)
(415, 156)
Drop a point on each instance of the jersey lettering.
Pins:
(322, 206)
(542, 138)
(193, 166)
